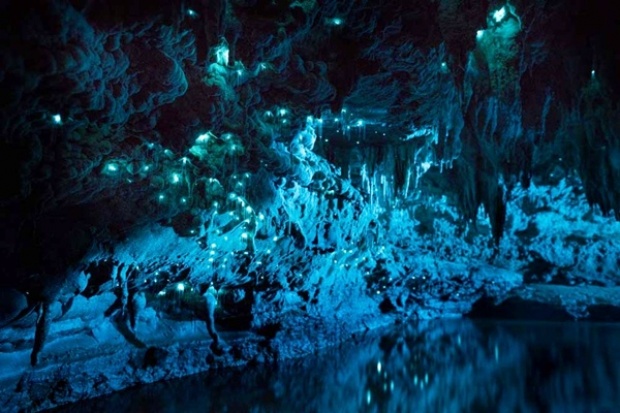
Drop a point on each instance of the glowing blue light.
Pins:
(336, 21)
(57, 119)
(184, 200)
(309, 119)
(244, 235)
(248, 209)
(594, 73)
(275, 239)
(203, 138)
(360, 123)
(214, 245)
(112, 167)
(162, 197)
(479, 34)
(185, 160)
(176, 178)
(222, 54)
(283, 112)
(145, 168)
(191, 13)
(180, 287)
(499, 14)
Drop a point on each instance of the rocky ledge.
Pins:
(553, 303)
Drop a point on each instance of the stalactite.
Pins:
(42, 329)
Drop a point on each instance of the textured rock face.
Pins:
(322, 164)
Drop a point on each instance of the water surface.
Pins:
(438, 366)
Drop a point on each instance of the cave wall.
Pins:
(310, 159)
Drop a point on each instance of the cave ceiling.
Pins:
(109, 107)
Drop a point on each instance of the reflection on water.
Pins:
(439, 366)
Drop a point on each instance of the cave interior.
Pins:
(273, 171)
